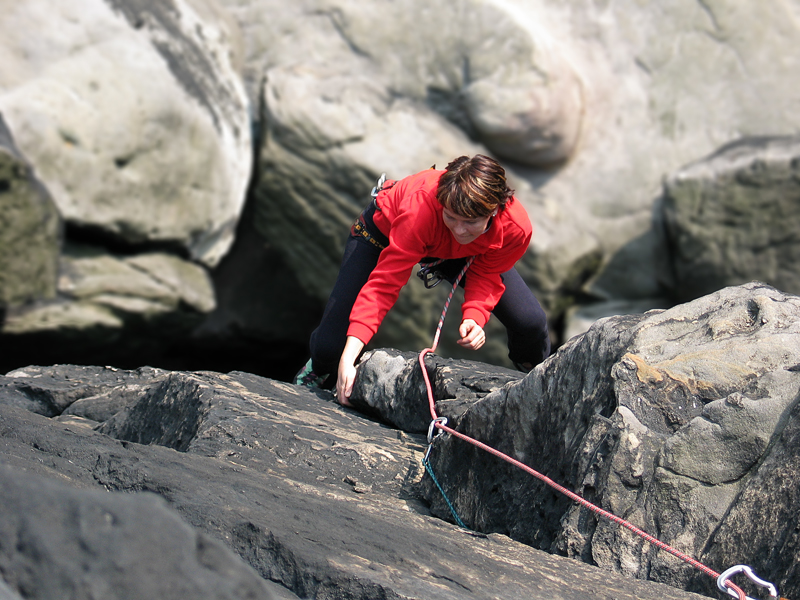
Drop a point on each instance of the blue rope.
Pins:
(428, 468)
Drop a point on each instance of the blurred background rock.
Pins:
(177, 178)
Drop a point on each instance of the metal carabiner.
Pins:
(378, 186)
(432, 426)
(723, 578)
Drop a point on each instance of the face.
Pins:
(464, 229)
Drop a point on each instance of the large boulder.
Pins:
(682, 421)
(664, 86)
(30, 230)
(733, 217)
(133, 116)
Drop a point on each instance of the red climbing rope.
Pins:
(440, 423)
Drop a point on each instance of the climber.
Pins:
(463, 211)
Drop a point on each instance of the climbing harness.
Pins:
(360, 228)
(723, 580)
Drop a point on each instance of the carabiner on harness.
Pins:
(723, 578)
(378, 186)
(430, 277)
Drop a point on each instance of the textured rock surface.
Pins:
(133, 116)
(733, 217)
(314, 497)
(30, 230)
(59, 542)
(682, 421)
(390, 386)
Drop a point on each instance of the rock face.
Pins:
(136, 121)
(134, 118)
(316, 498)
(30, 230)
(732, 218)
(663, 87)
(682, 421)
(62, 542)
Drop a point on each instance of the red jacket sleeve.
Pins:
(484, 286)
(406, 248)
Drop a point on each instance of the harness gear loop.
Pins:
(430, 277)
(724, 585)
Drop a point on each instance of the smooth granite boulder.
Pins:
(133, 116)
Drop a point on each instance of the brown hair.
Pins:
(473, 187)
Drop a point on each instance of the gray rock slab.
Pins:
(61, 542)
(682, 421)
(97, 393)
(317, 498)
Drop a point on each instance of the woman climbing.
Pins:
(465, 211)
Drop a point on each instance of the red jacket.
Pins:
(411, 217)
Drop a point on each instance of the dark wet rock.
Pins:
(316, 498)
(390, 386)
(60, 542)
(96, 393)
(681, 421)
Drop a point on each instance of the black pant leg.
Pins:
(328, 339)
(524, 319)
